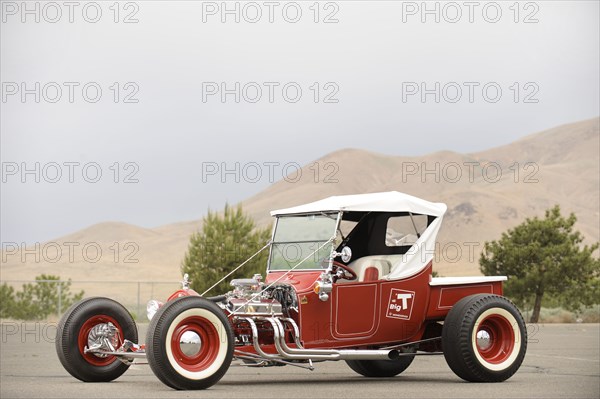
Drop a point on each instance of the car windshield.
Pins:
(297, 237)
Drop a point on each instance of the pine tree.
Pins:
(545, 257)
(223, 244)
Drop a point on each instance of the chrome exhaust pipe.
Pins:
(322, 354)
(366, 354)
(297, 354)
(255, 343)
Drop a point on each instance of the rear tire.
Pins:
(190, 343)
(484, 338)
(381, 368)
(72, 337)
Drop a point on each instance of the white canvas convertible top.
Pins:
(391, 201)
(421, 252)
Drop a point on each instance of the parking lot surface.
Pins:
(563, 361)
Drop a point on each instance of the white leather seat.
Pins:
(361, 265)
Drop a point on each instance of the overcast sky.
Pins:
(172, 86)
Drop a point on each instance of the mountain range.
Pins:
(486, 193)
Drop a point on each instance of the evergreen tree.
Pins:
(7, 300)
(545, 257)
(223, 244)
(37, 301)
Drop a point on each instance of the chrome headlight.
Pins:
(152, 307)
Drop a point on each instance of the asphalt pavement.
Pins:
(563, 361)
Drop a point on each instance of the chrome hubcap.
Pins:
(190, 343)
(103, 337)
(484, 340)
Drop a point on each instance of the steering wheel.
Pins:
(349, 274)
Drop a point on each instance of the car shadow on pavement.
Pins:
(353, 380)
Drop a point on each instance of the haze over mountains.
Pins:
(486, 192)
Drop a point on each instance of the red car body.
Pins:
(366, 296)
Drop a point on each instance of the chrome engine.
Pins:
(249, 297)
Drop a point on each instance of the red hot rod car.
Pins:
(348, 278)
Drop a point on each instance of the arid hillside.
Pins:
(486, 193)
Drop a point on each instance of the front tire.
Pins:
(484, 338)
(190, 343)
(83, 320)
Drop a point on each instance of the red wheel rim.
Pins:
(209, 343)
(82, 339)
(500, 341)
